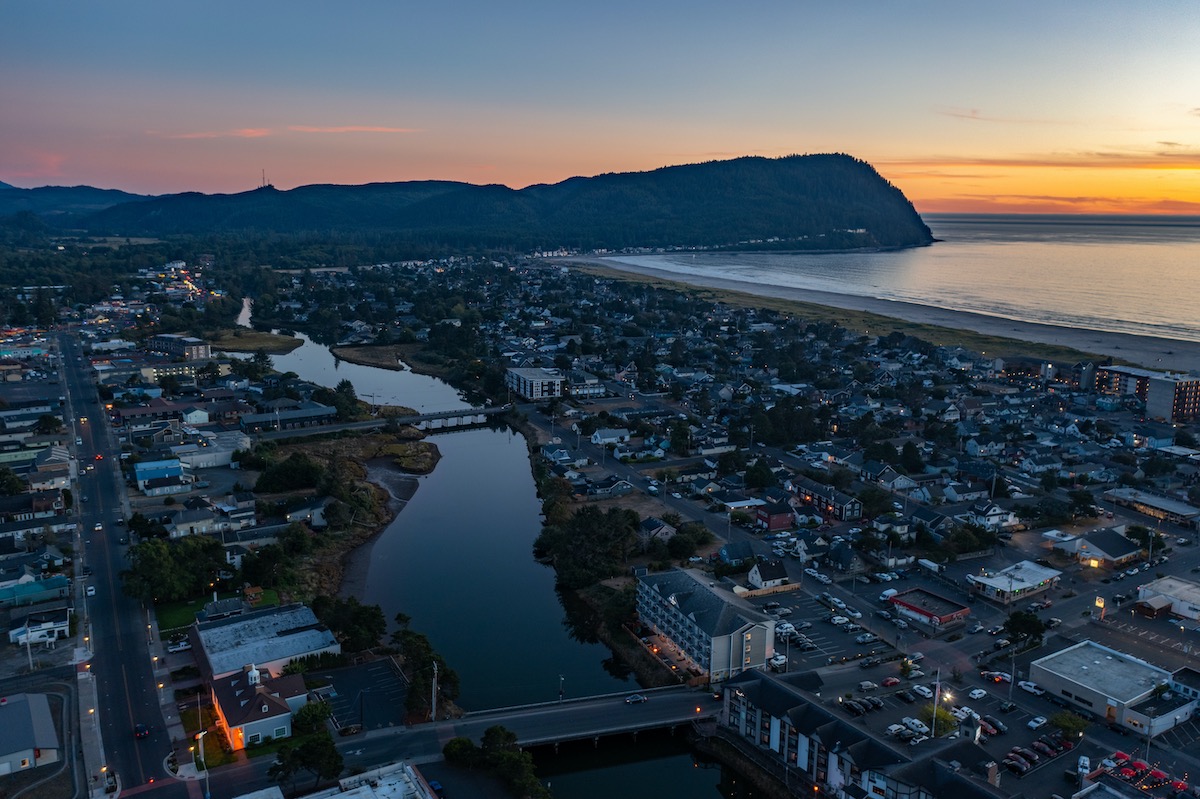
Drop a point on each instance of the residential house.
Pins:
(992, 517)
(767, 574)
(828, 500)
(775, 516)
(654, 529)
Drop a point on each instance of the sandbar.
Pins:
(1146, 351)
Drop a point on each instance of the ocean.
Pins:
(1124, 274)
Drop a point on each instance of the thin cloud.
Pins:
(975, 115)
(1149, 159)
(349, 129)
(37, 164)
(241, 133)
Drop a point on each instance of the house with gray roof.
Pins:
(721, 633)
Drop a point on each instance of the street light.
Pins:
(200, 743)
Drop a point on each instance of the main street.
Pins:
(117, 627)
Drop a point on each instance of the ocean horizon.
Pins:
(1113, 273)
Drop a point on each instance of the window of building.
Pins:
(254, 738)
(280, 732)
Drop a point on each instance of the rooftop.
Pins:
(1023, 576)
(262, 636)
(1119, 676)
(927, 602)
(1179, 589)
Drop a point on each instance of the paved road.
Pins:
(126, 688)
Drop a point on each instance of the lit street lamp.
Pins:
(200, 743)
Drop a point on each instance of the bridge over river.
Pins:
(591, 718)
(439, 420)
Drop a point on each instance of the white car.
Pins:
(959, 714)
(811, 572)
(823, 579)
(852, 613)
(838, 621)
(90, 590)
(916, 725)
(978, 693)
(895, 729)
(922, 690)
(1031, 687)
(783, 628)
(1037, 722)
(900, 624)
(837, 603)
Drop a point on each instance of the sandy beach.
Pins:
(1151, 353)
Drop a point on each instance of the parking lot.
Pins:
(371, 695)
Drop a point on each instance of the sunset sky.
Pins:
(1063, 107)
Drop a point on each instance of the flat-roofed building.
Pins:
(926, 607)
(270, 638)
(1171, 510)
(1167, 395)
(187, 347)
(535, 384)
(1182, 595)
(1113, 686)
(1016, 583)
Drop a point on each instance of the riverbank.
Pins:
(246, 339)
(943, 326)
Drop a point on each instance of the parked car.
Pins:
(888, 682)
(1000, 726)
(916, 725)
(977, 694)
(906, 696)
(922, 690)
(1037, 722)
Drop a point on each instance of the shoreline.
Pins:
(1145, 351)
(400, 487)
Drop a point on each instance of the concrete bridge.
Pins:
(438, 420)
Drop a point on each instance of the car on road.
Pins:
(635, 699)
(141, 731)
(995, 630)
(99, 457)
(98, 527)
(1183, 542)
(1037, 722)
(977, 694)
(1031, 687)
(975, 628)
(676, 495)
(90, 591)
(996, 676)
(437, 789)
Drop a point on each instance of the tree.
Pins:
(311, 717)
(1072, 724)
(1023, 624)
(321, 758)
(288, 762)
(10, 483)
(910, 458)
(48, 423)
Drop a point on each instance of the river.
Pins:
(458, 560)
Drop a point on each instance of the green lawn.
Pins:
(177, 615)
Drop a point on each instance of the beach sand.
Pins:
(1149, 352)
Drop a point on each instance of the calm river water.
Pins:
(458, 559)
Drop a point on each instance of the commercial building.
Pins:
(1116, 687)
(1173, 595)
(27, 735)
(188, 348)
(253, 707)
(721, 633)
(1167, 395)
(774, 721)
(926, 607)
(271, 637)
(1165, 508)
(1017, 583)
(535, 384)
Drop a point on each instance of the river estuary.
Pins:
(458, 560)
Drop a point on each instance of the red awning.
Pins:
(1179, 785)
(1139, 765)
(1120, 757)
(1126, 773)
(1156, 775)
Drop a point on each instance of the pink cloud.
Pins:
(349, 129)
(36, 164)
(241, 133)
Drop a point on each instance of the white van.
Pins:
(888, 594)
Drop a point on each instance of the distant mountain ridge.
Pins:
(60, 205)
(801, 201)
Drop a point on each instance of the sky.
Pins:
(1013, 107)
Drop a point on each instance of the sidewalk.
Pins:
(101, 782)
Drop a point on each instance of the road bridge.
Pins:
(432, 422)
